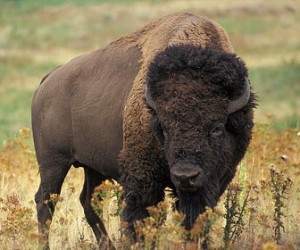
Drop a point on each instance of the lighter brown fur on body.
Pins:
(141, 157)
(179, 28)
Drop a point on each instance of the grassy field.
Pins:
(35, 36)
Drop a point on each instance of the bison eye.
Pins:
(165, 133)
(155, 124)
(218, 130)
(156, 127)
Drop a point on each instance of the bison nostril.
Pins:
(193, 179)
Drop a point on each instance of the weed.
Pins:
(107, 190)
(202, 232)
(280, 188)
(235, 213)
(18, 225)
(271, 200)
(150, 230)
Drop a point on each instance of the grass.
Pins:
(38, 35)
(18, 183)
(13, 116)
(246, 26)
(260, 209)
(291, 122)
(278, 89)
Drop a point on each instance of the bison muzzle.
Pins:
(187, 177)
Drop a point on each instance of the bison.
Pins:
(169, 105)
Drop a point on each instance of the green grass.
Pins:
(278, 88)
(15, 113)
(39, 35)
(17, 69)
(290, 122)
(246, 26)
(33, 4)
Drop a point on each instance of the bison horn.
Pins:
(149, 99)
(237, 104)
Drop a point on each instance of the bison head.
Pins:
(202, 117)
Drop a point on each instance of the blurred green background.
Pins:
(35, 36)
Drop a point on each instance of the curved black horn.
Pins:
(235, 105)
(148, 98)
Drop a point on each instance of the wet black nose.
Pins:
(187, 176)
(185, 179)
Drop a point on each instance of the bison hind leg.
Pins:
(52, 172)
(92, 180)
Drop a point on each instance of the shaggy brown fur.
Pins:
(180, 28)
(191, 87)
(105, 125)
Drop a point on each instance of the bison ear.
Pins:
(242, 100)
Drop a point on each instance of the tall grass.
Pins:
(260, 209)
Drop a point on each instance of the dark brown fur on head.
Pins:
(191, 88)
(208, 65)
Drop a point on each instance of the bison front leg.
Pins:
(134, 210)
(140, 193)
(143, 166)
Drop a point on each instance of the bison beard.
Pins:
(191, 204)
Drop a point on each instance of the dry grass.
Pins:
(19, 180)
(257, 228)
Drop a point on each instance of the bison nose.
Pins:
(187, 176)
(185, 179)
